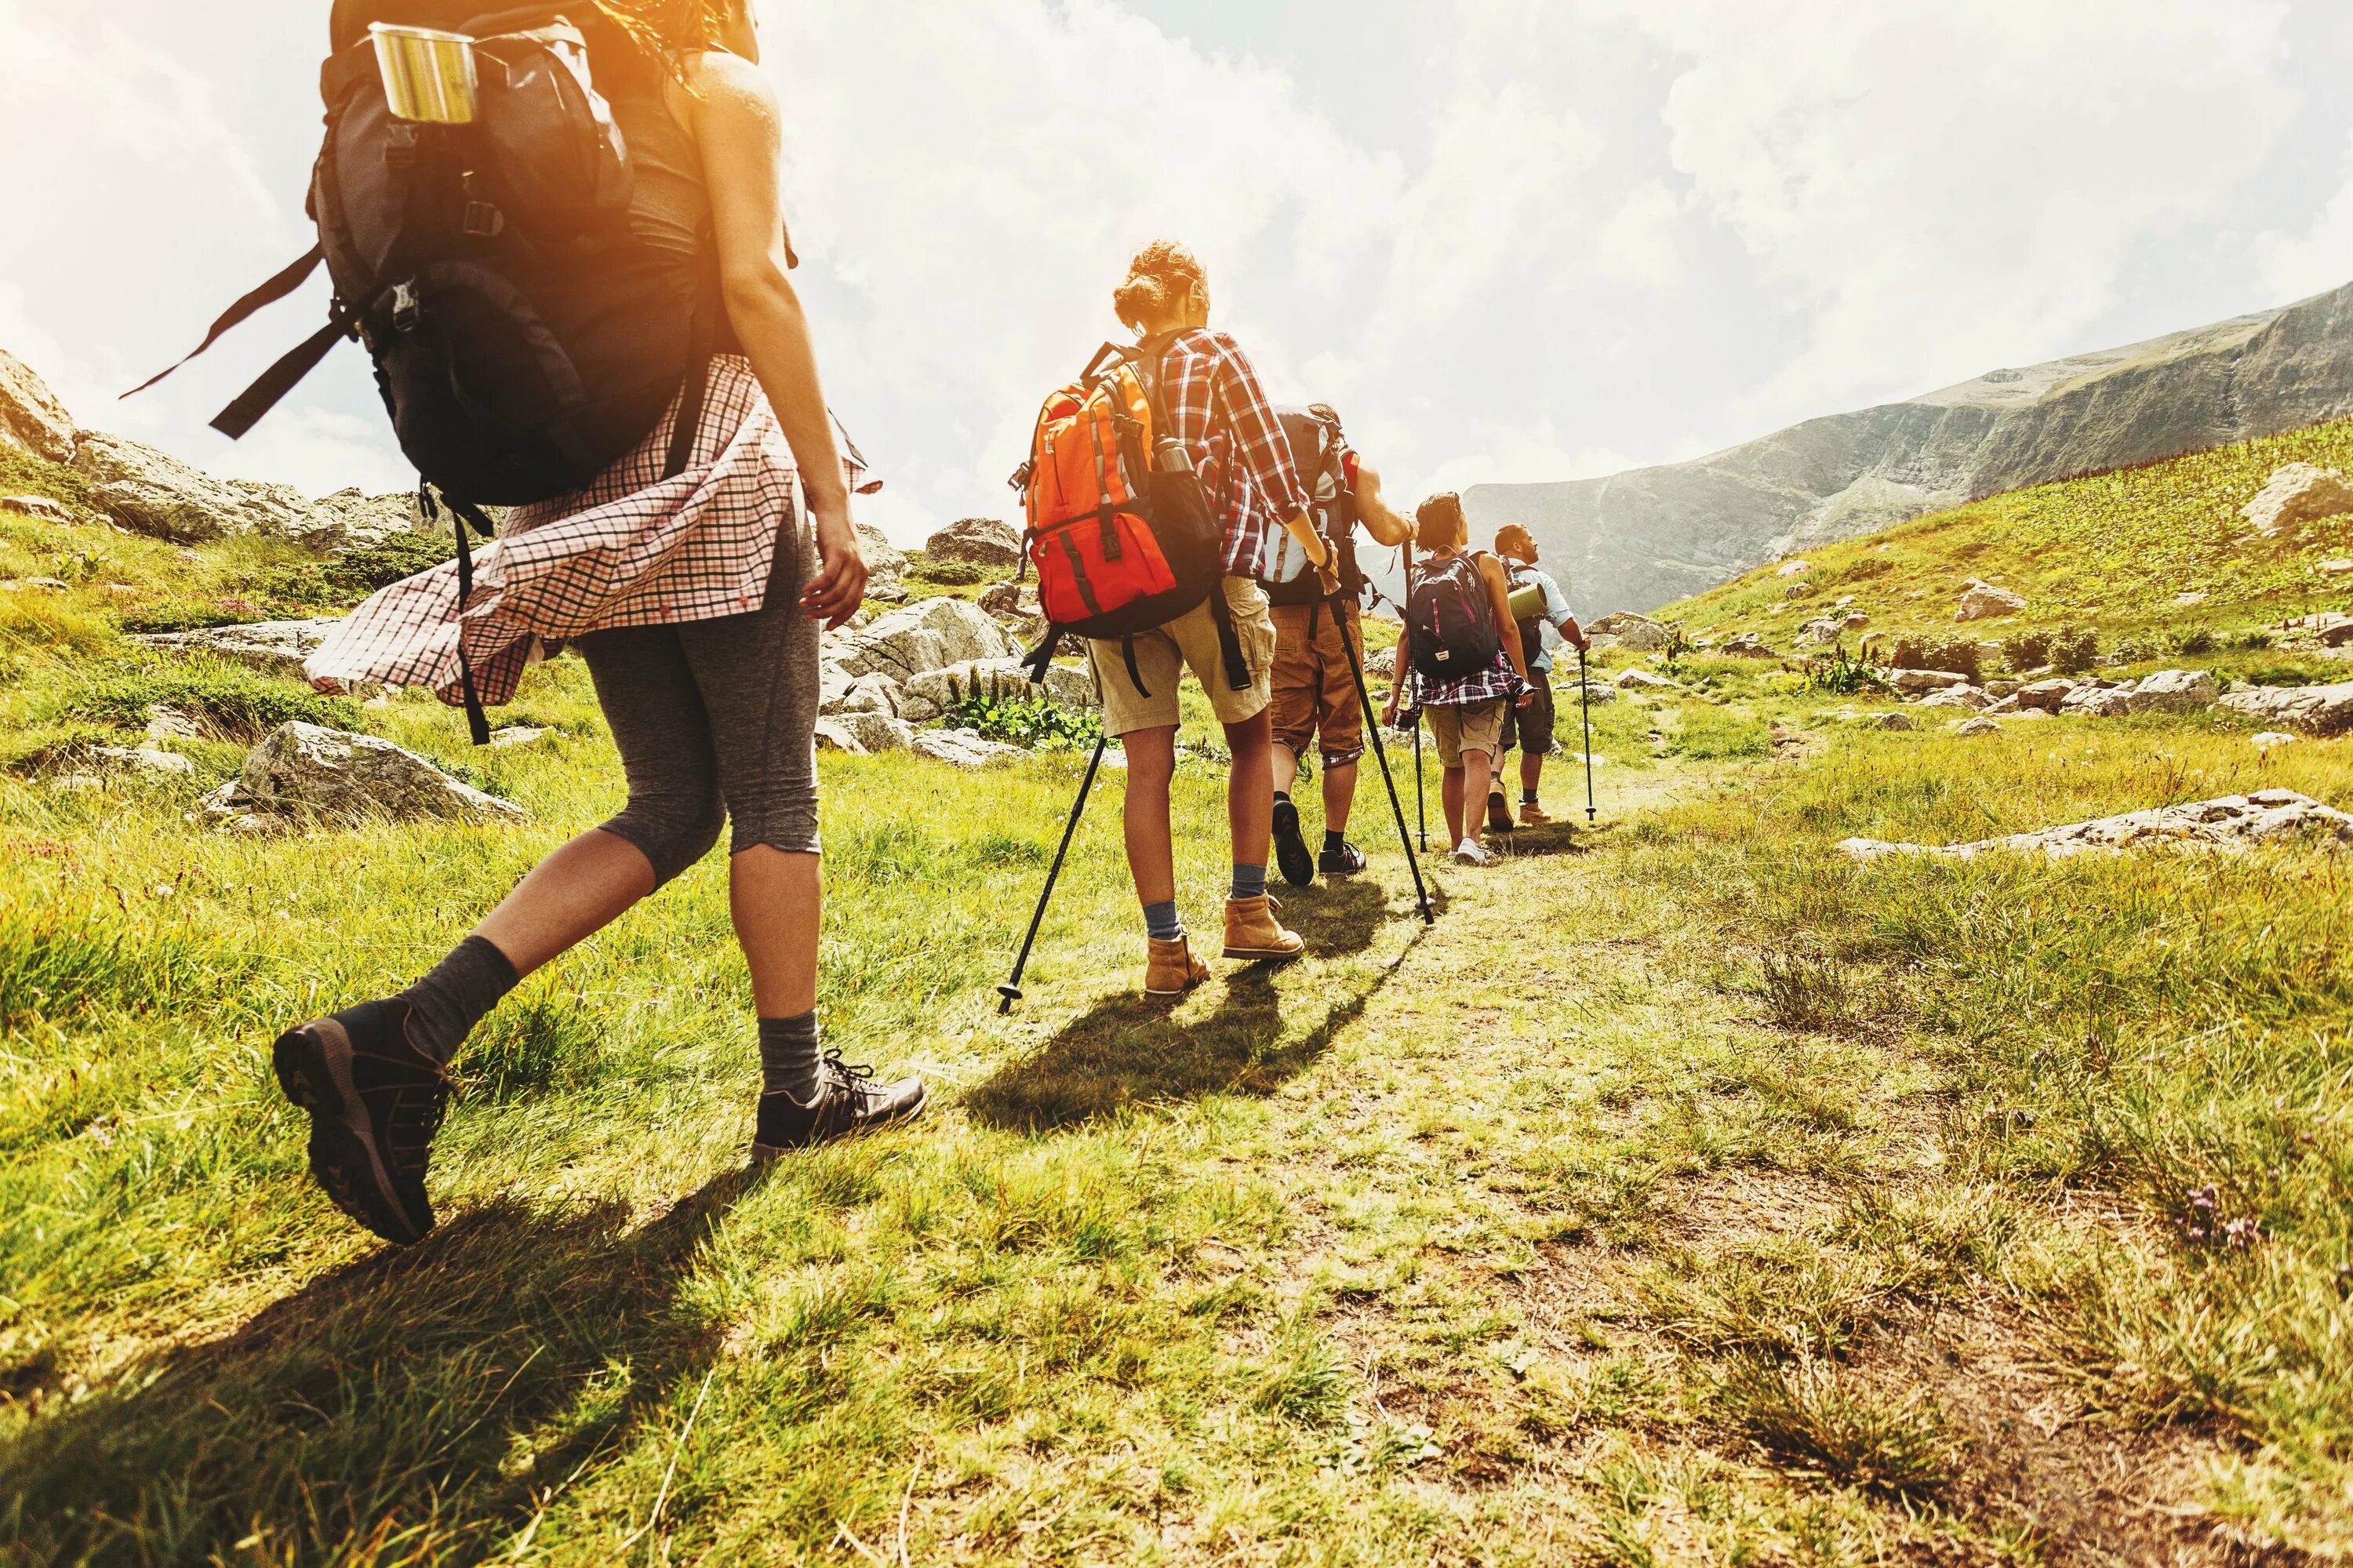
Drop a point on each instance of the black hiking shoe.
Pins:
(1498, 815)
(1291, 850)
(376, 1101)
(848, 1102)
(1345, 861)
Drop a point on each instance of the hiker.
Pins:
(1460, 656)
(704, 652)
(1543, 628)
(1314, 697)
(1237, 446)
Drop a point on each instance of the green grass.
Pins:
(1689, 1196)
(2109, 554)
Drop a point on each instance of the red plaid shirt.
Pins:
(1236, 443)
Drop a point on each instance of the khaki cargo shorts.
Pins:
(1478, 726)
(1163, 653)
(1315, 690)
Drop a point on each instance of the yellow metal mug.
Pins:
(428, 77)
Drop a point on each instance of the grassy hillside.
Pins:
(1690, 1195)
(2112, 552)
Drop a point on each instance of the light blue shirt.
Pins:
(1556, 612)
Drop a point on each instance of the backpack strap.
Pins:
(1038, 660)
(1136, 675)
(464, 515)
(288, 279)
(1229, 642)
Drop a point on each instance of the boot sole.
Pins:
(769, 1153)
(313, 1065)
(1265, 954)
(1290, 853)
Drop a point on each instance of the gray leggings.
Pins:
(715, 720)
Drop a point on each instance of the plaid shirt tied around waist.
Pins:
(632, 549)
(1221, 414)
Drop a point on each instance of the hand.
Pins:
(1389, 713)
(1329, 580)
(1524, 699)
(834, 594)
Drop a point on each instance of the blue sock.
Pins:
(1162, 923)
(1249, 880)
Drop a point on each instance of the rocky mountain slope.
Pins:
(1640, 539)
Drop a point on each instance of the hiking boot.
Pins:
(1535, 816)
(376, 1101)
(1253, 932)
(1345, 861)
(1173, 970)
(1499, 814)
(1291, 854)
(848, 1102)
(1471, 852)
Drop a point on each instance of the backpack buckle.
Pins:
(484, 221)
(400, 146)
(405, 309)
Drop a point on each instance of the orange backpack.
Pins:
(1120, 529)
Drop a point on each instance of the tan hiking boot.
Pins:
(1174, 970)
(1534, 816)
(1253, 933)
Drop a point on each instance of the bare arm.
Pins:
(1379, 519)
(736, 122)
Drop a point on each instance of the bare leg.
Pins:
(1249, 800)
(1532, 773)
(1478, 777)
(778, 902)
(570, 897)
(1339, 796)
(1286, 769)
(1451, 790)
(1151, 857)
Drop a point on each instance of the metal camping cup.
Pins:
(428, 77)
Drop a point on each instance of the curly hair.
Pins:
(664, 29)
(1438, 522)
(1162, 275)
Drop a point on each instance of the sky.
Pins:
(1509, 239)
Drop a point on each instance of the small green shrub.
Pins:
(1821, 1417)
(1954, 655)
(2194, 643)
(1840, 674)
(350, 578)
(1034, 722)
(184, 615)
(228, 699)
(954, 574)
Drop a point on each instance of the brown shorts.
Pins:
(1163, 653)
(1530, 729)
(1478, 726)
(1314, 689)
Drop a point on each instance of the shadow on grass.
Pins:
(1130, 1050)
(374, 1415)
(1560, 837)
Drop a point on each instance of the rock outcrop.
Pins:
(1984, 601)
(1642, 539)
(31, 418)
(1635, 633)
(2174, 691)
(961, 748)
(976, 541)
(886, 566)
(2234, 823)
(273, 647)
(931, 634)
(304, 775)
(2314, 710)
(2298, 495)
(936, 691)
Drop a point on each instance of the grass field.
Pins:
(1688, 1195)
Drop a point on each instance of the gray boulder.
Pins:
(1913, 682)
(144, 760)
(2175, 692)
(836, 735)
(978, 541)
(886, 566)
(931, 634)
(1983, 601)
(153, 493)
(876, 733)
(39, 506)
(1748, 645)
(306, 775)
(936, 691)
(1635, 633)
(2233, 822)
(273, 647)
(1962, 696)
(1645, 680)
(31, 418)
(1977, 727)
(2046, 696)
(2314, 710)
(355, 520)
(2297, 494)
(2097, 701)
(961, 748)
(868, 695)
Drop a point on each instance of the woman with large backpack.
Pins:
(692, 593)
(1461, 658)
(1236, 446)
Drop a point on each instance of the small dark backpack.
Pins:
(1450, 620)
(1316, 451)
(524, 338)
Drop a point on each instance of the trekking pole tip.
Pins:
(1011, 993)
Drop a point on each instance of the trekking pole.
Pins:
(1365, 696)
(1585, 691)
(1421, 791)
(1011, 989)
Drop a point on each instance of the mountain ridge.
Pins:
(1648, 537)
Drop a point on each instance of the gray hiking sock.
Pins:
(1249, 880)
(1162, 923)
(444, 1006)
(790, 1060)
